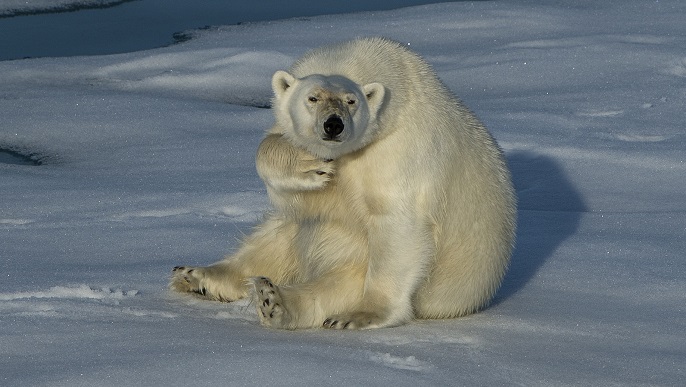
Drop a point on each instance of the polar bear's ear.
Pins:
(374, 93)
(282, 81)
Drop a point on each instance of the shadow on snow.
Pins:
(549, 212)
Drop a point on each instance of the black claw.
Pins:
(320, 173)
(327, 322)
(345, 326)
(203, 291)
(176, 268)
(266, 302)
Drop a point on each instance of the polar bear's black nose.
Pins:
(333, 126)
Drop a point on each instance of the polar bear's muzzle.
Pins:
(333, 127)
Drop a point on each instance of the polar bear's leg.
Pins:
(397, 264)
(268, 251)
(309, 304)
(216, 282)
(376, 292)
(286, 168)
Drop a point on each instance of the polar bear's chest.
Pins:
(368, 189)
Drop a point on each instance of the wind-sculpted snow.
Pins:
(22, 7)
(75, 292)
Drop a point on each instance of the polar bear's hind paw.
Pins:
(270, 306)
(185, 280)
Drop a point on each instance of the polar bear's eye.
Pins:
(351, 102)
(312, 99)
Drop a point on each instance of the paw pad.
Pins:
(270, 307)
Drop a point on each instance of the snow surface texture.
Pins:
(136, 25)
(147, 161)
(24, 7)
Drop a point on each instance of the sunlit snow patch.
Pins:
(404, 363)
(75, 292)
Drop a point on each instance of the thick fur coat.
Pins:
(391, 199)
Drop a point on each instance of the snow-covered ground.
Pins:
(133, 25)
(24, 7)
(147, 161)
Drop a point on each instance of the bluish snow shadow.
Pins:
(9, 156)
(549, 212)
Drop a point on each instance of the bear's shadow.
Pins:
(549, 212)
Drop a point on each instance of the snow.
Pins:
(147, 162)
(23, 7)
(133, 25)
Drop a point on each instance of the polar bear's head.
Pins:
(329, 115)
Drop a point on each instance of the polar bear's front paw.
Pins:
(308, 174)
(359, 320)
(315, 173)
(270, 306)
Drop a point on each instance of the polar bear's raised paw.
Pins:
(316, 172)
(286, 168)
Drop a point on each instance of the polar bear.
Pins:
(391, 200)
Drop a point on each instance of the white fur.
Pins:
(413, 217)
